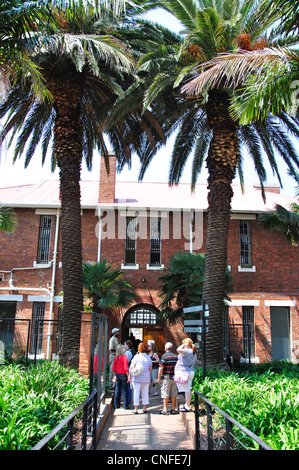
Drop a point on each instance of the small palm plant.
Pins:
(182, 285)
(105, 286)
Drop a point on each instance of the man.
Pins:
(166, 372)
(113, 343)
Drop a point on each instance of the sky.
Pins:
(15, 174)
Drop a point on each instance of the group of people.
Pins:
(134, 373)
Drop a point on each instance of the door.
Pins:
(155, 334)
(280, 332)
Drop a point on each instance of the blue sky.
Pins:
(11, 175)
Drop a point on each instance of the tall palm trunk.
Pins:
(67, 93)
(222, 160)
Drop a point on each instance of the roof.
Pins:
(158, 196)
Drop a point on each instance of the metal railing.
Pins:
(77, 431)
(215, 429)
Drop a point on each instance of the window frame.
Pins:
(248, 318)
(245, 244)
(37, 327)
(129, 220)
(158, 239)
(44, 239)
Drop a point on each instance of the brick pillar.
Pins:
(107, 180)
(85, 342)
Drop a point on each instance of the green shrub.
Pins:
(265, 402)
(34, 400)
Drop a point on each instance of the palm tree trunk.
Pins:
(221, 162)
(68, 153)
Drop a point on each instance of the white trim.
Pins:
(58, 298)
(13, 298)
(129, 266)
(41, 265)
(243, 302)
(242, 216)
(280, 303)
(247, 270)
(144, 212)
(38, 356)
(39, 298)
(46, 211)
(155, 268)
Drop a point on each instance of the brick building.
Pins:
(138, 227)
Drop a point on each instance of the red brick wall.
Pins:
(276, 275)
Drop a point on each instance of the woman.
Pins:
(185, 370)
(142, 381)
(129, 352)
(113, 343)
(121, 370)
(155, 367)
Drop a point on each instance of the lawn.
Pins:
(265, 402)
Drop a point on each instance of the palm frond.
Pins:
(283, 220)
(8, 220)
(232, 70)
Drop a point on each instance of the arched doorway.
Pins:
(143, 322)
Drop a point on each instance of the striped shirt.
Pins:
(168, 361)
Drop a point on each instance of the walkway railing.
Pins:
(76, 431)
(215, 429)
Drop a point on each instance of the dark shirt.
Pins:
(168, 361)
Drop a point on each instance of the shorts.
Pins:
(169, 388)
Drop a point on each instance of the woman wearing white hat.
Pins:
(113, 343)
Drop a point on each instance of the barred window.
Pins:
(155, 241)
(131, 241)
(248, 331)
(245, 243)
(37, 328)
(142, 315)
(44, 239)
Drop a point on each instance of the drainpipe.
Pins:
(13, 287)
(52, 288)
(99, 235)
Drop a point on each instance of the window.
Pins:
(37, 329)
(248, 331)
(131, 241)
(245, 244)
(155, 241)
(44, 239)
(142, 315)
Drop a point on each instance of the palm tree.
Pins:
(83, 72)
(19, 19)
(182, 284)
(105, 286)
(205, 124)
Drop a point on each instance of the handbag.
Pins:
(181, 377)
(136, 368)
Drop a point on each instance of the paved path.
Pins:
(145, 431)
